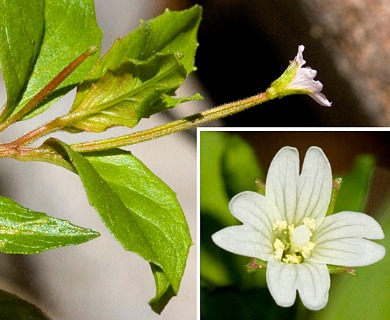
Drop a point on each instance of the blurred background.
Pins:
(342, 149)
(229, 162)
(245, 45)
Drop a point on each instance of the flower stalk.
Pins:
(295, 80)
(175, 126)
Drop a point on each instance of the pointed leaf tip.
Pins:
(23, 231)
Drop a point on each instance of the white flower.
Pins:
(298, 80)
(304, 79)
(289, 229)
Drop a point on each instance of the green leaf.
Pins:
(23, 231)
(240, 166)
(213, 196)
(169, 102)
(228, 165)
(124, 96)
(168, 33)
(70, 29)
(21, 31)
(15, 308)
(159, 53)
(140, 210)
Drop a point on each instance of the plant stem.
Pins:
(16, 149)
(29, 137)
(172, 127)
(42, 154)
(49, 88)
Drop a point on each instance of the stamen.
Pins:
(292, 258)
(279, 249)
(309, 222)
(292, 245)
(306, 250)
(280, 225)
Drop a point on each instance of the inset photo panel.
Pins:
(294, 224)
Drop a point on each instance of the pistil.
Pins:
(292, 244)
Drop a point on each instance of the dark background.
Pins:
(246, 45)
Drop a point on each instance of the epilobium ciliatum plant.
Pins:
(42, 60)
(292, 232)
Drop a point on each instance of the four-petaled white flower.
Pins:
(288, 228)
(297, 79)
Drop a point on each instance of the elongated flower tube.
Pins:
(289, 230)
(298, 80)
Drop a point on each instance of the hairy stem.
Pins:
(17, 150)
(172, 127)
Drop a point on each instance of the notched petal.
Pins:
(282, 282)
(282, 181)
(311, 281)
(342, 240)
(313, 285)
(314, 186)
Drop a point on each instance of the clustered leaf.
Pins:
(126, 95)
(136, 78)
(139, 75)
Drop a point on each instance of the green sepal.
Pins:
(336, 186)
(256, 265)
(341, 269)
(260, 186)
(279, 88)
